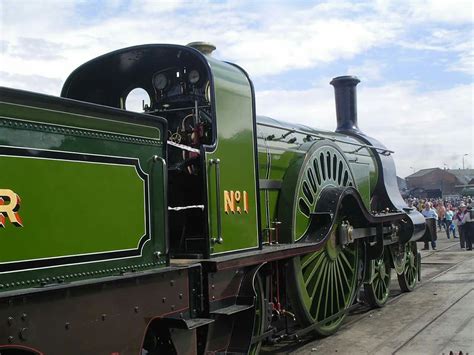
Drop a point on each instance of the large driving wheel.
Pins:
(323, 284)
(378, 289)
(326, 284)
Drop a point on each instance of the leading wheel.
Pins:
(323, 284)
(378, 289)
(407, 279)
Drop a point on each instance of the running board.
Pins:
(231, 310)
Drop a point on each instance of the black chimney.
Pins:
(346, 102)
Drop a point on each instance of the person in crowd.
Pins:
(468, 223)
(449, 221)
(441, 211)
(421, 205)
(458, 219)
(430, 234)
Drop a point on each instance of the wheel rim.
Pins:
(326, 280)
(378, 289)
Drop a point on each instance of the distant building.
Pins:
(436, 182)
(466, 181)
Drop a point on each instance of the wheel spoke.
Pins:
(313, 270)
(327, 294)
(331, 282)
(303, 197)
(344, 257)
(337, 281)
(313, 293)
(321, 294)
(376, 286)
(344, 273)
(383, 287)
(309, 258)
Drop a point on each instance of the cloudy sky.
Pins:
(415, 58)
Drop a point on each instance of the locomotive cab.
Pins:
(205, 102)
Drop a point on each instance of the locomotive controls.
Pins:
(160, 81)
(178, 88)
(193, 77)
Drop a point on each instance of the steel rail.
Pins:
(432, 321)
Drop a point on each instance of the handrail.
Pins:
(217, 162)
(382, 151)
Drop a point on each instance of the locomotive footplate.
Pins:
(277, 252)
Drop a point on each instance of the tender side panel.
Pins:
(88, 191)
(85, 221)
(108, 317)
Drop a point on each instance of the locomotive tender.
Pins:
(193, 227)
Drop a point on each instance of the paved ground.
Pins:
(438, 317)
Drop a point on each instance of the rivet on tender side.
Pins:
(24, 334)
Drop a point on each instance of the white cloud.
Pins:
(298, 39)
(305, 43)
(35, 83)
(452, 11)
(248, 33)
(464, 63)
(369, 70)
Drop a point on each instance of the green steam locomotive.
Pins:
(194, 227)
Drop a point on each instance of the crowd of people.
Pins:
(454, 216)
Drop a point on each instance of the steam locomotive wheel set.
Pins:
(195, 226)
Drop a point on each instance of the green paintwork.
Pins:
(235, 150)
(37, 114)
(70, 207)
(64, 215)
(277, 154)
